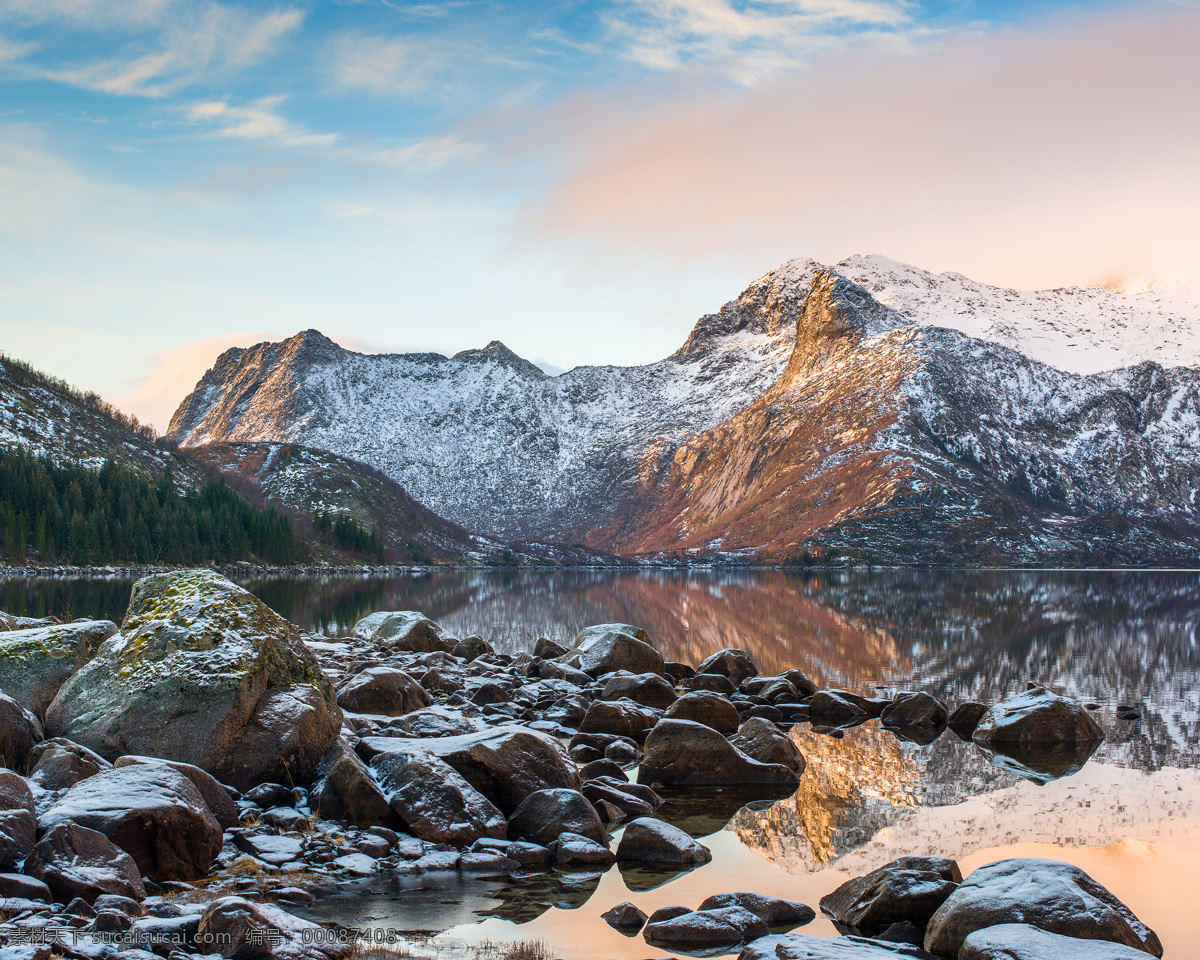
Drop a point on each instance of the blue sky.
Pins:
(580, 180)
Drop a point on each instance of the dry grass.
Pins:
(365, 950)
(515, 950)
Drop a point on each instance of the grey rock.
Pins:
(802, 946)
(625, 917)
(737, 665)
(1036, 716)
(774, 911)
(761, 740)
(622, 718)
(648, 689)
(649, 840)
(1021, 941)
(609, 647)
(908, 889)
(545, 814)
(59, 764)
(345, 790)
(35, 662)
(725, 926)
(914, 710)
(573, 850)
(404, 630)
(19, 731)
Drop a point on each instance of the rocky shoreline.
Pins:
(182, 785)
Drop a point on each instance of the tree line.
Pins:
(349, 534)
(70, 513)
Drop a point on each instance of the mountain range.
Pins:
(867, 410)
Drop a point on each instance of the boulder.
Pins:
(706, 707)
(404, 630)
(17, 886)
(761, 740)
(18, 822)
(573, 850)
(908, 889)
(545, 814)
(506, 763)
(609, 647)
(683, 753)
(152, 812)
(435, 722)
(19, 731)
(472, 648)
(1056, 897)
(216, 795)
(965, 719)
(547, 649)
(803, 946)
(625, 917)
(714, 682)
(345, 790)
(74, 861)
(616, 793)
(59, 764)
(1020, 941)
(35, 662)
(204, 673)
(648, 689)
(703, 929)
(434, 800)
(772, 910)
(734, 664)
(1036, 716)
(382, 690)
(832, 709)
(914, 710)
(622, 718)
(647, 840)
(241, 930)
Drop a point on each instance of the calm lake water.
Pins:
(1130, 815)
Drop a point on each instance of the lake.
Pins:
(1130, 815)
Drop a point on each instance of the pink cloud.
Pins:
(1059, 155)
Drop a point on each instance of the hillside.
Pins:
(869, 409)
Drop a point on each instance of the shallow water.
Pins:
(1130, 815)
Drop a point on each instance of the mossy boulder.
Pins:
(204, 673)
(35, 662)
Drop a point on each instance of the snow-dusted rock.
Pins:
(761, 740)
(236, 928)
(804, 946)
(19, 731)
(18, 822)
(74, 861)
(774, 911)
(216, 795)
(406, 630)
(700, 929)
(609, 647)
(649, 840)
(737, 665)
(205, 673)
(683, 753)
(432, 798)
(706, 707)
(59, 763)
(382, 690)
(345, 790)
(34, 662)
(1021, 941)
(545, 814)
(1036, 716)
(908, 889)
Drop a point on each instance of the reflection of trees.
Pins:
(96, 599)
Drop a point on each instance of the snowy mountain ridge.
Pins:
(823, 407)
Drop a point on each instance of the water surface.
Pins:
(1130, 815)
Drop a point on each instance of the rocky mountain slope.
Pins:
(870, 410)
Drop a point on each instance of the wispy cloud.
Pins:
(746, 41)
(183, 45)
(384, 65)
(258, 120)
(91, 13)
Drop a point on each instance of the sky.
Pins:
(580, 180)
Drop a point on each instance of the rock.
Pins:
(701, 929)
(434, 800)
(772, 910)
(1036, 716)
(622, 751)
(1040, 762)
(234, 928)
(622, 718)
(547, 649)
(345, 790)
(713, 682)
(18, 822)
(647, 840)
(270, 848)
(152, 812)
(829, 708)
(435, 722)
(802, 946)
(204, 673)
(545, 814)
(59, 764)
(910, 888)
(678, 672)
(382, 690)
(914, 710)
(625, 917)
(609, 647)
(16, 886)
(573, 850)
(472, 648)
(1020, 941)
(617, 796)
(602, 768)
(667, 913)
(965, 718)
(761, 740)
(267, 795)
(683, 753)
(404, 630)
(734, 664)
(216, 795)
(506, 763)
(19, 731)
(35, 662)
(74, 861)
(552, 670)
(1056, 897)
(648, 689)
(706, 707)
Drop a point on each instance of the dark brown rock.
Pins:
(345, 789)
(683, 753)
(545, 814)
(706, 707)
(18, 822)
(74, 861)
(382, 690)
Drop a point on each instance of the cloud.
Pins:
(257, 120)
(86, 12)
(10, 51)
(748, 41)
(185, 46)
(1057, 154)
(383, 65)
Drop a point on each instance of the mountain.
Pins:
(869, 409)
